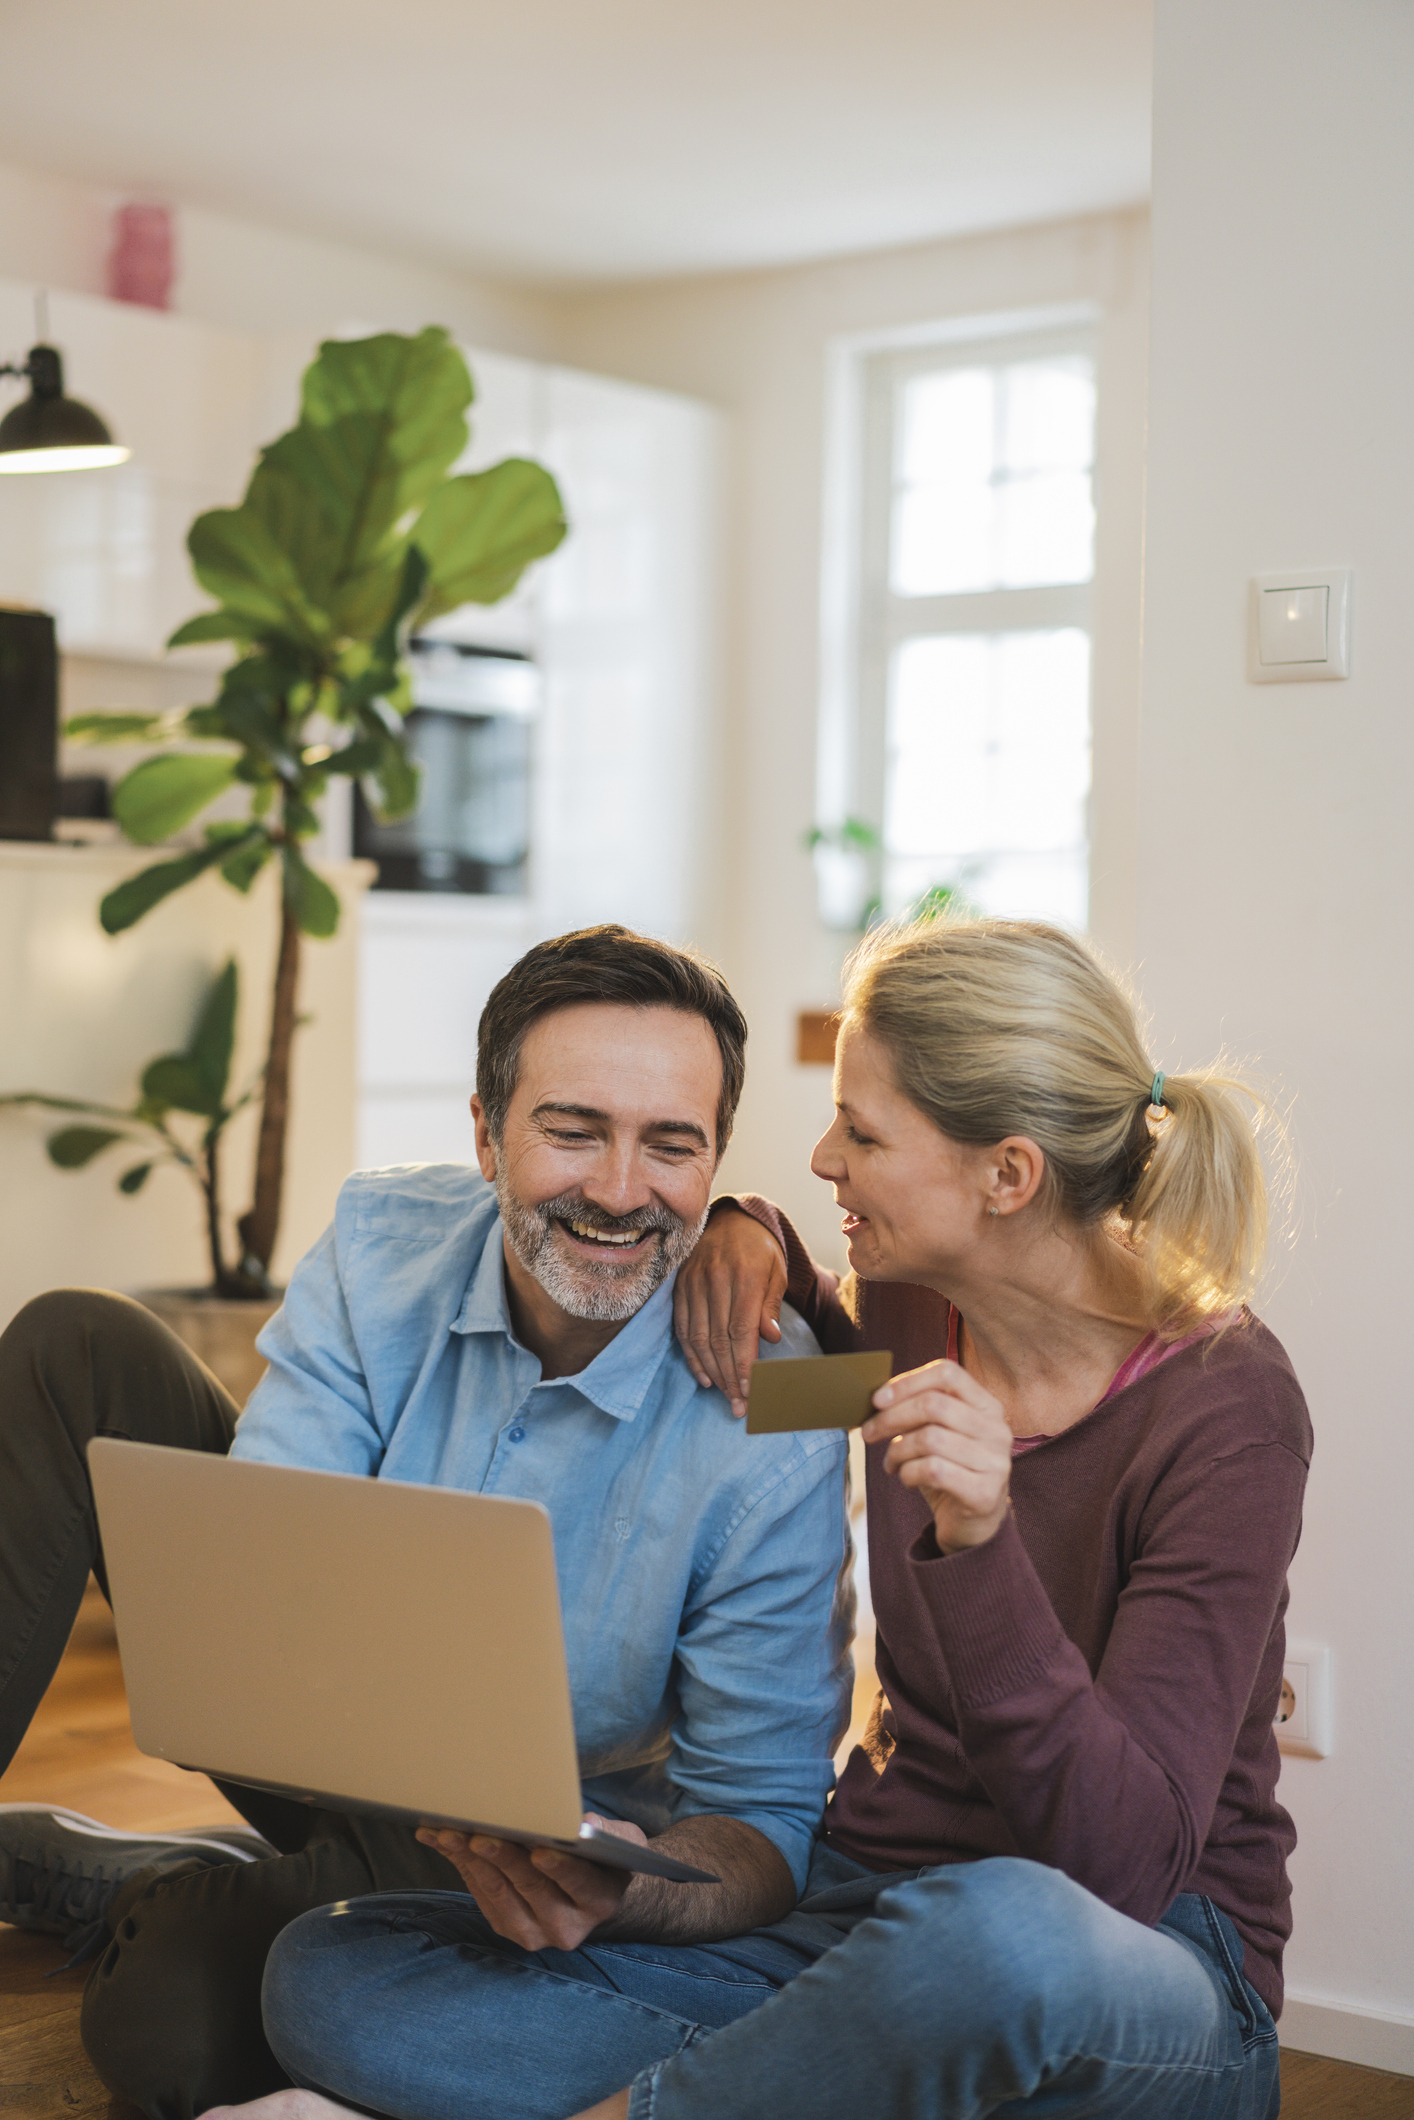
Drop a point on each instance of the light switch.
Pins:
(1291, 625)
(1299, 626)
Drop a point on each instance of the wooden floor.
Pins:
(80, 1752)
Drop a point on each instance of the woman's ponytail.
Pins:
(1198, 1215)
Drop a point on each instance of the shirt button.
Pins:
(517, 1435)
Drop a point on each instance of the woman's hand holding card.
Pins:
(950, 1440)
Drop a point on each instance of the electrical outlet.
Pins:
(1303, 1717)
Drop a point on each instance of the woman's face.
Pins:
(915, 1202)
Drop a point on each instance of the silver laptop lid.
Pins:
(330, 1636)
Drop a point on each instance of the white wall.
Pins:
(1276, 856)
(757, 345)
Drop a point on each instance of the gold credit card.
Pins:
(822, 1391)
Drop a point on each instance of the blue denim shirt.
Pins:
(702, 1571)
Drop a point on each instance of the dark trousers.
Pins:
(171, 2016)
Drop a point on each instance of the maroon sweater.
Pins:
(1094, 1688)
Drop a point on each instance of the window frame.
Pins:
(864, 620)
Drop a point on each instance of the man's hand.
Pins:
(949, 1439)
(728, 1296)
(536, 1897)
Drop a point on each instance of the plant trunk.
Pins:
(211, 1192)
(261, 1225)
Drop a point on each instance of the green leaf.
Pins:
(214, 625)
(362, 756)
(375, 678)
(478, 533)
(934, 902)
(381, 421)
(398, 781)
(399, 785)
(309, 897)
(398, 697)
(249, 710)
(854, 832)
(115, 728)
(73, 1146)
(195, 1080)
(331, 498)
(420, 385)
(849, 833)
(243, 868)
(395, 776)
(174, 1081)
(411, 587)
(162, 794)
(301, 819)
(134, 1180)
(214, 1039)
(235, 557)
(139, 894)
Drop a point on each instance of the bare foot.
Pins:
(288, 2105)
(615, 2108)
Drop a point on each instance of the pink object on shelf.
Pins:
(142, 261)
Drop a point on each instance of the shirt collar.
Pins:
(618, 1378)
(484, 1307)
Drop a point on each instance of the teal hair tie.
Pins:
(1156, 1092)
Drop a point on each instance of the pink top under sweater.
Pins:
(1146, 1356)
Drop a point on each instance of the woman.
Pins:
(1052, 1879)
(1080, 1524)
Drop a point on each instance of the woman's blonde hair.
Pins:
(998, 1027)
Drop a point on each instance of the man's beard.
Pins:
(599, 1289)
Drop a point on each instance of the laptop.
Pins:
(364, 1644)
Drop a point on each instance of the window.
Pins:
(971, 754)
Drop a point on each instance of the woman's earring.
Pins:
(991, 1210)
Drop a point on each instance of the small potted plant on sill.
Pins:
(352, 533)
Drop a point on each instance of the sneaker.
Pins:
(59, 1870)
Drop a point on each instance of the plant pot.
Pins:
(219, 1331)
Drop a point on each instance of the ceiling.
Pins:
(566, 141)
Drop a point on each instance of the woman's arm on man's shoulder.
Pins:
(749, 1259)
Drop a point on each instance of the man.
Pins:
(509, 1333)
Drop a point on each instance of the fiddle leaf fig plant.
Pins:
(352, 533)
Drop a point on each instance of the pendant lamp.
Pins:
(51, 432)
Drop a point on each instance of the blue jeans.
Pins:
(995, 1987)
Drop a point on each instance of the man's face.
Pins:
(605, 1165)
